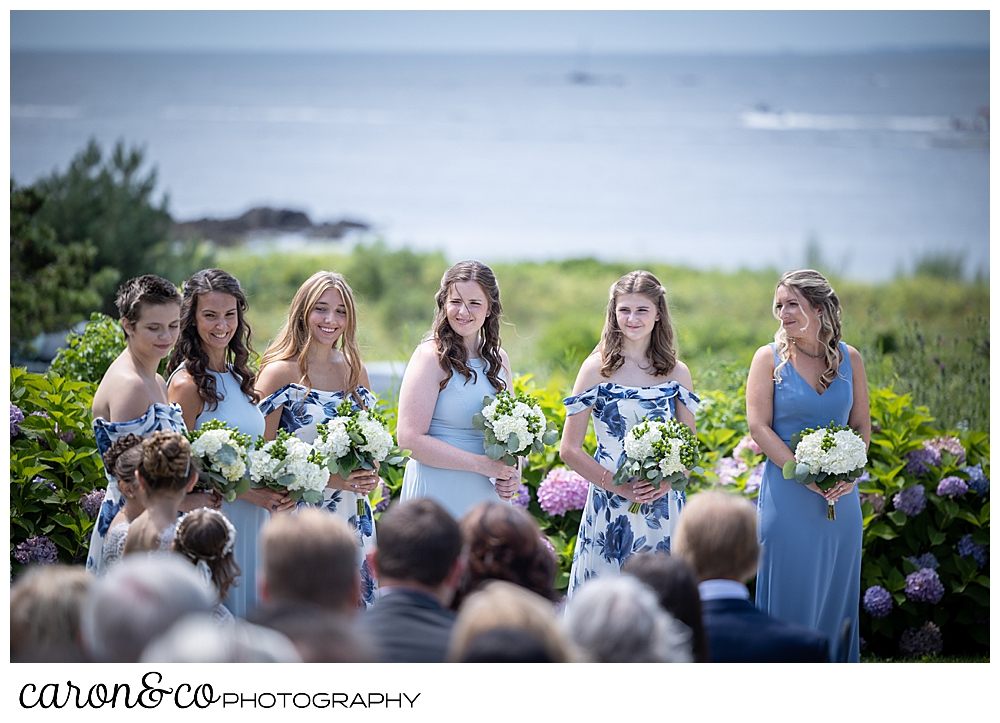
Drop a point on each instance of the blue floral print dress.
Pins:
(609, 534)
(158, 418)
(301, 410)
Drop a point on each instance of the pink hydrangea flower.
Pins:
(947, 444)
(562, 490)
(744, 444)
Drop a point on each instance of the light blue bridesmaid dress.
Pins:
(158, 418)
(810, 567)
(236, 410)
(456, 490)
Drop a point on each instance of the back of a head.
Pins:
(506, 645)
(166, 461)
(505, 543)
(717, 536)
(138, 600)
(198, 638)
(45, 605)
(311, 556)
(676, 589)
(618, 620)
(206, 537)
(417, 540)
(319, 634)
(501, 604)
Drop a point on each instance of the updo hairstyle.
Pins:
(166, 462)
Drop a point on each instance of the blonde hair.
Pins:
(812, 287)
(294, 339)
(45, 605)
(717, 537)
(661, 352)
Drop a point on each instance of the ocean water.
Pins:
(713, 162)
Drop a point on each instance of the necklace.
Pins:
(813, 356)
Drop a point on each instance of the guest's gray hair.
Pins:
(618, 620)
(138, 601)
(198, 638)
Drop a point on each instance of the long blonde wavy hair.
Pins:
(294, 339)
(812, 288)
(662, 353)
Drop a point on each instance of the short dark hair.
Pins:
(146, 289)
(417, 540)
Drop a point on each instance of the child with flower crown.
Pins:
(206, 538)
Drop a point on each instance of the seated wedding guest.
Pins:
(320, 635)
(505, 645)
(618, 620)
(138, 601)
(45, 614)
(505, 543)
(166, 474)
(417, 563)
(676, 589)
(503, 606)
(207, 538)
(311, 557)
(198, 638)
(717, 536)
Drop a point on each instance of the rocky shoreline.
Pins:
(262, 221)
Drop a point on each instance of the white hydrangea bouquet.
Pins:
(222, 452)
(356, 439)
(286, 463)
(513, 424)
(658, 452)
(825, 456)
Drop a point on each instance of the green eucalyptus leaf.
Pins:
(227, 455)
(478, 421)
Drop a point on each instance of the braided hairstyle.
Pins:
(122, 458)
(188, 350)
(166, 462)
(203, 536)
(452, 354)
(812, 288)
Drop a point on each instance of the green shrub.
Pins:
(87, 356)
(53, 465)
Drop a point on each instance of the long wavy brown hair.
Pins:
(295, 338)
(661, 353)
(188, 350)
(813, 288)
(452, 354)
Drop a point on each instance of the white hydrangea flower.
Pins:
(210, 442)
(522, 410)
(671, 462)
(337, 442)
(490, 410)
(378, 441)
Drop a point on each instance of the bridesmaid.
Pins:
(210, 378)
(450, 372)
(306, 373)
(132, 397)
(810, 567)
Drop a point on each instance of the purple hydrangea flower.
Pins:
(926, 560)
(91, 503)
(947, 444)
(864, 477)
(919, 461)
(967, 547)
(978, 482)
(925, 640)
(746, 443)
(522, 498)
(68, 437)
(754, 480)
(562, 490)
(728, 469)
(16, 416)
(37, 549)
(911, 501)
(41, 413)
(924, 586)
(876, 500)
(952, 487)
(384, 502)
(877, 601)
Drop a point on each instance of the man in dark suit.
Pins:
(418, 562)
(717, 536)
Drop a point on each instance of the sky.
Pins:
(673, 31)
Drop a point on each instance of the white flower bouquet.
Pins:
(288, 463)
(222, 452)
(356, 440)
(658, 452)
(513, 424)
(825, 456)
